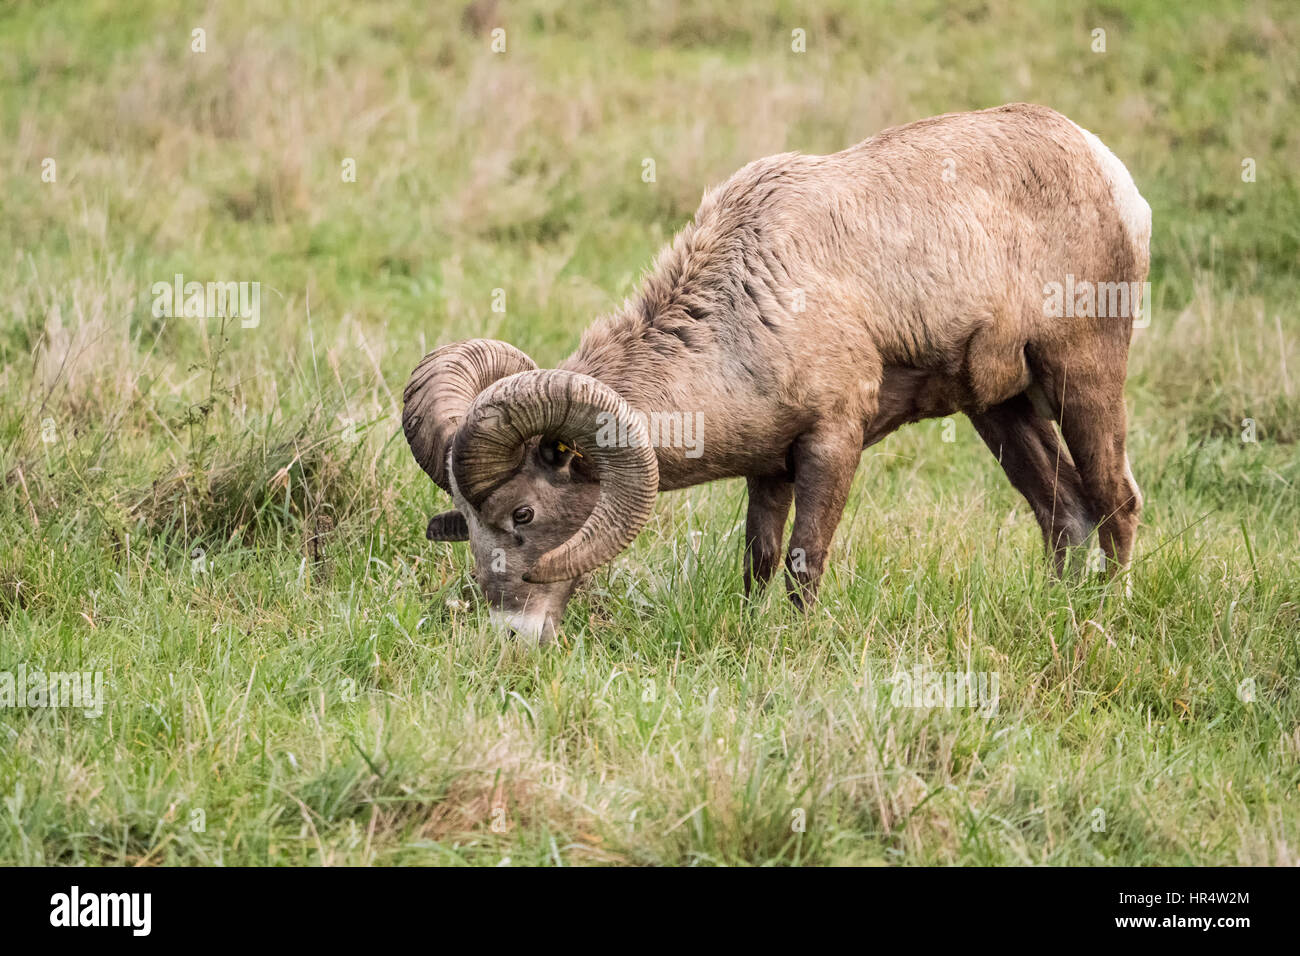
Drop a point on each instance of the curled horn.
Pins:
(584, 413)
(440, 391)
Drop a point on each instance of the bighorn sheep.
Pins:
(814, 305)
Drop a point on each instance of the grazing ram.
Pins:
(814, 305)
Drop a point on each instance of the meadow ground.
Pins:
(227, 525)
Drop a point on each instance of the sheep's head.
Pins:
(540, 497)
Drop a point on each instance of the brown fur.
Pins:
(921, 297)
(818, 303)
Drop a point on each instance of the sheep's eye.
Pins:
(523, 515)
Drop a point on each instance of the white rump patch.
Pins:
(1132, 208)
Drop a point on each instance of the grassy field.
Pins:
(226, 523)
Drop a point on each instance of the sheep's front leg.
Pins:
(769, 506)
(824, 463)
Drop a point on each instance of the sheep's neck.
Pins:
(691, 399)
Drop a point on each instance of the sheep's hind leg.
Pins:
(824, 463)
(1088, 400)
(1039, 467)
(769, 506)
(1094, 426)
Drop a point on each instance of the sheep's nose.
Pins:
(518, 625)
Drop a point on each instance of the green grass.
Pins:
(318, 684)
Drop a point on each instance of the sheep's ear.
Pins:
(448, 526)
(555, 454)
(566, 460)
